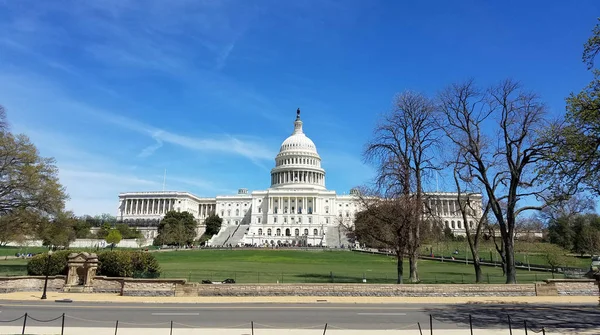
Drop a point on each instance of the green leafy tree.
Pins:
(58, 231)
(574, 157)
(82, 228)
(177, 228)
(18, 225)
(560, 232)
(127, 232)
(27, 180)
(213, 225)
(554, 255)
(113, 238)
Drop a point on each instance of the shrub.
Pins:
(122, 263)
(115, 264)
(58, 264)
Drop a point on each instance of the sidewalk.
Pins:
(99, 297)
(262, 331)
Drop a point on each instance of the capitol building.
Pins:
(297, 208)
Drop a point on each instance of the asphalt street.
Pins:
(296, 316)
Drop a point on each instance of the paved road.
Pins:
(294, 316)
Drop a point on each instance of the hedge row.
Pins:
(118, 263)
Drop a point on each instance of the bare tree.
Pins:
(385, 222)
(502, 163)
(403, 149)
(468, 207)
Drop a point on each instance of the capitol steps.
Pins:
(336, 237)
(222, 236)
(238, 235)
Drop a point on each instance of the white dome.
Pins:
(298, 141)
(298, 164)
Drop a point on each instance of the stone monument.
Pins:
(82, 270)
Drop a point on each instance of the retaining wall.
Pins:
(179, 287)
(31, 284)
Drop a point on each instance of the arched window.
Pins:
(297, 232)
(453, 225)
(237, 212)
(315, 232)
(459, 224)
(229, 212)
(446, 224)
(259, 231)
(287, 232)
(306, 232)
(278, 232)
(269, 232)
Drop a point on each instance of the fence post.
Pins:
(431, 324)
(252, 326)
(525, 324)
(171, 333)
(325, 330)
(420, 331)
(62, 325)
(471, 324)
(24, 324)
(331, 275)
(116, 327)
(543, 331)
(509, 324)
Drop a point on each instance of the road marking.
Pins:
(179, 314)
(381, 313)
(109, 306)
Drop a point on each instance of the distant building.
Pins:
(297, 208)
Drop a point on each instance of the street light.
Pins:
(47, 270)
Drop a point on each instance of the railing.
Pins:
(255, 327)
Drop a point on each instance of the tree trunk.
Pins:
(511, 271)
(412, 260)
(476, 265)
(400, 268)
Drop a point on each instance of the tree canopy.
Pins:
(176, 228)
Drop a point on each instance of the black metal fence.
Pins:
(253, 327)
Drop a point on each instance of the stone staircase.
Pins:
(222, 236)
(335, 237)
(238, 235)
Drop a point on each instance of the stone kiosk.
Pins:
(82, 270)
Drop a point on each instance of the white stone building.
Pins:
(296, 209)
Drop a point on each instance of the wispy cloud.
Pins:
(224, 144)
(149, 150)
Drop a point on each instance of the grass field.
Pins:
(293, 266)
(525, 252)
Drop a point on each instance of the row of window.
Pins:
(305, 161)
(287, 232)
(237, 212)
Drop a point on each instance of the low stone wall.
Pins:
(103, 284)
(31, 284)
(371, 290)
(576, 287)
(151, 287)
(137, 287)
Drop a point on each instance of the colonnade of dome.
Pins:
(298, 163)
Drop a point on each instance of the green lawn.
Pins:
(11, 251)
(293, 266)
(525, 252)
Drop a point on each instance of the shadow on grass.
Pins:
(13, 269)
(559, 318)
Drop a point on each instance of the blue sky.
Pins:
(118, 91)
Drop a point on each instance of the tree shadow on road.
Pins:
(571, 319)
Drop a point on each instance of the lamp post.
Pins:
(47, 271)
